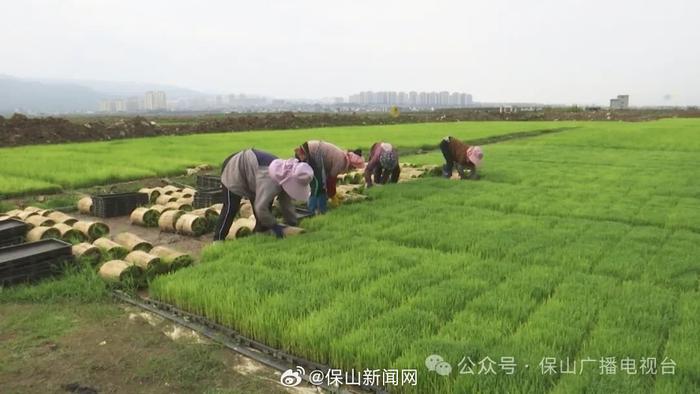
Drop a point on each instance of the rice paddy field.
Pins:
(50, 168)
(577, 250)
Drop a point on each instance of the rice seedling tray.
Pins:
(208, 182)
(118, 204)
(208, 197)
(231, 339)
(35, 260)
(12, 231)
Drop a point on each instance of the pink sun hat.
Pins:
(356, 161)
(475, 155)
(294, 177)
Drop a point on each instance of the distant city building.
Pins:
(621, 102)
(443, 99)
(155, 101)
(413, 98)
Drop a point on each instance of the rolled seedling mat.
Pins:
(121, 272)
(45, 212)
(218, 207)
(241, 228)
(146, 217)
(37, 220)
(188, 192)
(210, 214)
(189, 224)
(165, 199)
(93, 230)
(169, 189)
(160, 208)
(151, 264)
(43, 232)
(26, 214)
(60, 217)
(5, 217)
(87, 253)
(168, 220)
(132, 242)
(85, 205)
(186, 200)
(31, 209)
(180, 205)
(246, 210)
(69, 234)
(153, 193)
(172, 258)
(177, 195)
(111, 248)
(14, 213)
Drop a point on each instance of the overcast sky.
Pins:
(554, 51)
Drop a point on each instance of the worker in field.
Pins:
(328, 161)
(260, 177)
(383, 164)
(462, 156)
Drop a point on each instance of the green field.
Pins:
(47, 168)
(581, 245)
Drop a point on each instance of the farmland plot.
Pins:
(579, 247)
(46, 168)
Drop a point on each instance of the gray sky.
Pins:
(556, 51)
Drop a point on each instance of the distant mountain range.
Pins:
(63, 96)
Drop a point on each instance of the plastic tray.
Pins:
(31, 261)
(119, 204)
(208, 182)
(11, 229)
(204, 198)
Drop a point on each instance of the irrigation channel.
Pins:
(231, 339)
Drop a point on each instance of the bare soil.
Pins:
(22, 130)
(105, 348)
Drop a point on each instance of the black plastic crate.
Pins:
(11, 230)
(118, 204)
(11, 241)
(204, 198)
(208, 181)
(32, 261)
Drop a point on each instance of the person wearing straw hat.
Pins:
(328, 161)
(383, 164)
(460, 155)
(260, 177)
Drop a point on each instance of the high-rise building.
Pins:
(443, 99)
(621, 102)
(413, 98)
(154, 101)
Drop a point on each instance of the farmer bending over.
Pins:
(328, 161)
(261, 177)
(461, 155)
(383, 164)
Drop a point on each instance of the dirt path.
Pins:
(106, 348)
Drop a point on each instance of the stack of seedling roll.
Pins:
(189, 224)
(92, 230)
(87, 253)
(168, 220)
(172, 258)
(242, 227)
(69, 234)
(85, 205)
(147, 217)
(132, 242)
